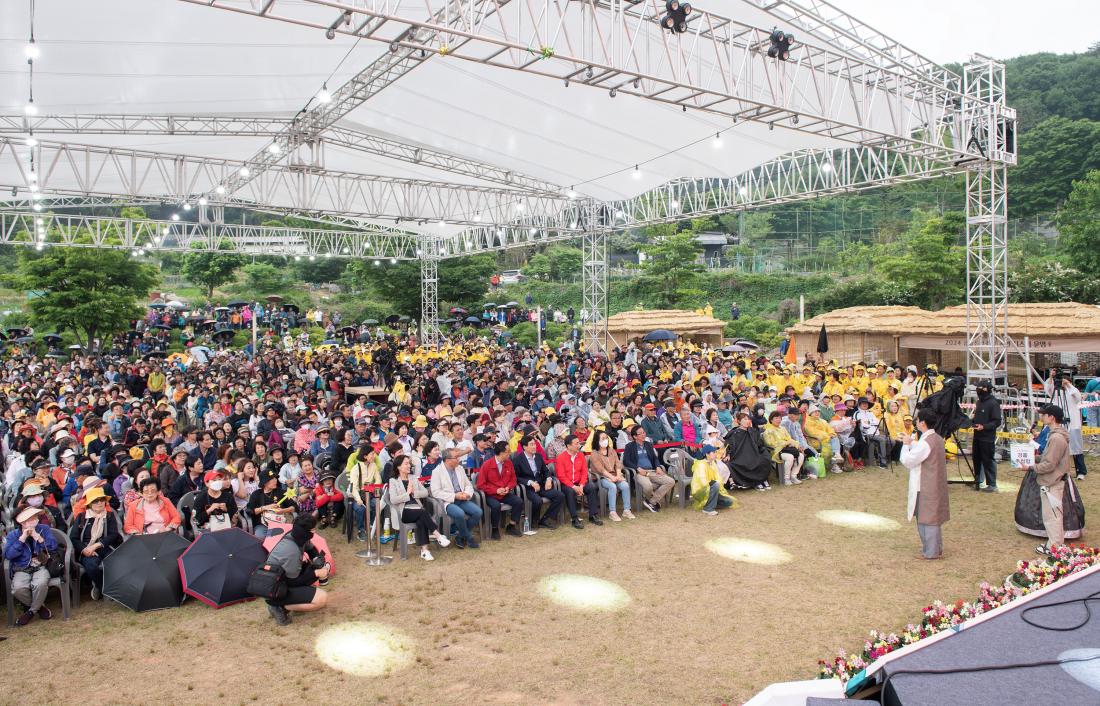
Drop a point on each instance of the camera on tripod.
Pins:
(1060, 374)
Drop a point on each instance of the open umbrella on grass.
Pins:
(216, 567)
(144, 574)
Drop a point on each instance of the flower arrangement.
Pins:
(1029, 576)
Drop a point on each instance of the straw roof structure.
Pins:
(629, 325)
(1047, 320)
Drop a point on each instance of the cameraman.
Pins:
(301, 595)
(1064, 394)
(986, 421)
(929, 383)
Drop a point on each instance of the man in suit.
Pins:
(571, 467)
(640, 458)
(450, 485)
(534, 476)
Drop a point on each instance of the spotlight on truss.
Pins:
(780, 45)
(676, 16)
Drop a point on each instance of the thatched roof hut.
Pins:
(912, 335)
(633, 325)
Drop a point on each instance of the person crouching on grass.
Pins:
(301, 595)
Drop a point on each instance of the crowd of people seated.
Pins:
(472, 435)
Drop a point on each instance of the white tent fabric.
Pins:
(164, 56)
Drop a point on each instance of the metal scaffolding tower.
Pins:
(429, 291)
(594, 279)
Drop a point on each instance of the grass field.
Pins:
(696, 627)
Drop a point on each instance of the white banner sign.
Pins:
(1023, 455)
(1083, 344)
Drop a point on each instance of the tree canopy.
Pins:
(210, 269)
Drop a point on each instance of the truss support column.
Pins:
(429, 291)
(594, 279)
(987, 339)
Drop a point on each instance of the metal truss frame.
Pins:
(987, 340)
(429, 291)
(594, 279)
(719, 66)
(177, 177)
(243, 126)
(50, 229)
(319, 115)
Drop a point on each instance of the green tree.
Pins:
(1052, 156)
(538, 267)
(263, 278)
(1079, 224)
(95, 293)
(930, 263)
(210, 269)
(461, 280)
(670, 268)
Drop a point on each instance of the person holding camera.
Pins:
(1064, 394)
(928, 503)
(986, 421)
(301, 595)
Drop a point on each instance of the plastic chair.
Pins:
(188, 530)
(349, 520)
(63, 583)
(402, 528)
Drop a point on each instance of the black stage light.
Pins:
(676, 16)
(780, 45)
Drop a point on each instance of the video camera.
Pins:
(945, 405)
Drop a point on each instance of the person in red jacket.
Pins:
(571, 467)
(496, 479)
(330, 501)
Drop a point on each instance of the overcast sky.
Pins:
(951, 30)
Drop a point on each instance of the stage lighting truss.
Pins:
(676, 16)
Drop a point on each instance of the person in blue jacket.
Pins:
(27, 548)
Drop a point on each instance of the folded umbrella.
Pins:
(216, 567)
(144, 574)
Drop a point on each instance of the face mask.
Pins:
(215, 485)
(35, 501)
(604, 443)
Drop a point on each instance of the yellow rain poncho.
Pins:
(702, 473)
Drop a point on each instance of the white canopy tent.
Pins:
(460, 126)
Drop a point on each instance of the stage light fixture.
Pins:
(674, 203)
(393, 260)
(637, 173)
(826, 167)
(717, 140)
(244, 171)
(30, 141)
(31, 51)
(572, 194)
(186, 206)
(676, 16)
(203, 201)
(39, 221)
(519, 206)
(297, 258)
(32, 177)
(613, 92)
(532, 231)
(30, 108)
(37, 207)
(780, 45)
(312, 258)
(323, 96)
(330, 33)
(175, 216)
(274, 148)
(219, 189)
(164, 230)
(743, 190)
(33, 187)
(377, 263)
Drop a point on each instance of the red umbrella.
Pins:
(277, 529)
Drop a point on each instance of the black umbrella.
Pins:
(156, 354)
(273, 298)
(661, 334)
(449, 321)
(238, 303)
(161, 327)
(291, 307)
(157, 305)
(351, 329)
(370, 322)
(392, 319)
(144, 573)
(215, 569)
(472, 320)
(747, 343)
(16, 332)
(489, 305)
(25, 339)
(51, 337)
(823, 340)
(512, 305)
(227, 332)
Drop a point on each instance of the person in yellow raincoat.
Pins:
(822, 438)
(707, 493)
